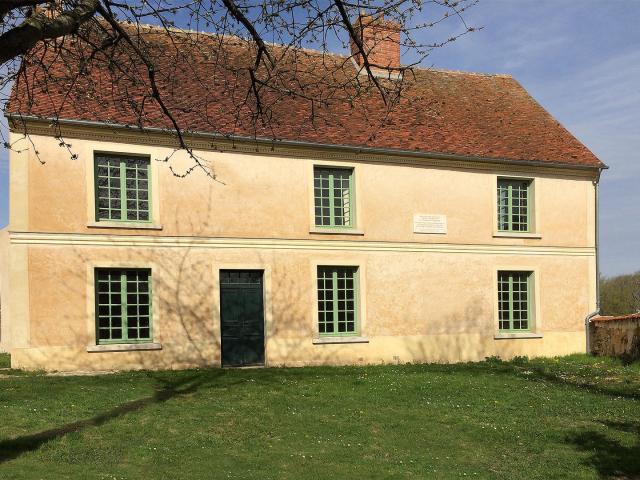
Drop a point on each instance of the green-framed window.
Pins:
(122, 188)
(515, 301)
(337, 301)
(123, 305)
(514, 205)
(334, 199)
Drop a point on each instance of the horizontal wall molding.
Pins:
(116, 240)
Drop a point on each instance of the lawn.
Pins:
(5, 360)
(573, 417)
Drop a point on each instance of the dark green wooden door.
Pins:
(241, 317)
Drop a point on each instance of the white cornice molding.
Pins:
(102, 240)
(257, 146)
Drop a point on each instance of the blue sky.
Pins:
(581, 61)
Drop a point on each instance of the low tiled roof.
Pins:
(609, 318)
(446, 112)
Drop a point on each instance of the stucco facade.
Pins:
(422, 297)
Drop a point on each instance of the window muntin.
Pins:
(333, 197)
(122, 188)
(514, 301)
(514, 205)
(337, 301)
(123, 305)
(241, 277)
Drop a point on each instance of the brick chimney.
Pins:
(381, 41)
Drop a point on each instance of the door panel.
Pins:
(241, 317)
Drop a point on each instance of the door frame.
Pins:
(266, 305)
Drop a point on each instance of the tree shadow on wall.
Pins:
(186, 307)
(610, 457)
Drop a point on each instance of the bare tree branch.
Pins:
(7, 5)
(154, 88)
(23, 38)
(238, 15)
(246, 62)
(358, 41)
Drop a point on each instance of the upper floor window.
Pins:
(123, 305)
(515, 301)
(337, 300)
(122, 188)
(514, 205)
(333, 197)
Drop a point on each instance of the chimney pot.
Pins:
(380, 39)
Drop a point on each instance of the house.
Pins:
(464, 227)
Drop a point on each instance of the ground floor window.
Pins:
(123, 305)
(515, 301)
(337, 300)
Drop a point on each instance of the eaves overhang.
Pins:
(17, 118)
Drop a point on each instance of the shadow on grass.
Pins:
(610, 457)
(548, 373)
(165, 390)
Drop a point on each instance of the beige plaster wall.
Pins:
(270, 196)
(426, 306)
(424, 297)
(4, 289)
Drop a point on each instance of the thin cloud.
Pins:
(580, 60)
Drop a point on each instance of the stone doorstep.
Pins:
(80, 373)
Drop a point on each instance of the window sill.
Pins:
(124, 347)
(335, 340)
(125, 225)
(516, 235)
(507, 336)
(336, 231)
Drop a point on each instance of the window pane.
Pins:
(321, 196)
(107, 174)
(108, 299)
(337, 300)
(115, 174)
(513, 205)
(123, 308)
(513, 300)
(342, 197)
(333, 197)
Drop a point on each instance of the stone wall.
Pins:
(616, 336)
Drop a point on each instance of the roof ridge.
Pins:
(465, 72)
(230, 36)
(311, 50)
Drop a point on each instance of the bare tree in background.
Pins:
(636, 295)
(620, 295)
(251, 50)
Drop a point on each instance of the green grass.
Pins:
(573, 417)
(5, 360)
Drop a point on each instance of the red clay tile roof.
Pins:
(606, 318)
(462, 114)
